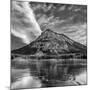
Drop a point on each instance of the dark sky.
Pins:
(62, 18)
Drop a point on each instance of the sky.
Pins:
(68, 19)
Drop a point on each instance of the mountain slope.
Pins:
(50, 42)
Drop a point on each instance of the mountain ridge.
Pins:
(50, 42)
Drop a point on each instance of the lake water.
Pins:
(48, 74)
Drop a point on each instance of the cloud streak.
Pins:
(76, 32)
(23, 22)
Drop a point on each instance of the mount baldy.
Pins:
(51, 43)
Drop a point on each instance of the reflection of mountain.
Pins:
(51, 43)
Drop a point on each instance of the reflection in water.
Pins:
(49, 73)
(82, 78)
(26, 81)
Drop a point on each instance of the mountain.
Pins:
(51, 43)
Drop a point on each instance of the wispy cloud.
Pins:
(77, 32)
(23, 22)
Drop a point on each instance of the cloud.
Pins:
(62, 8)
(77, 32)
(62, 18)
(23, 22)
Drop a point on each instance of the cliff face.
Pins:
(52, 43)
